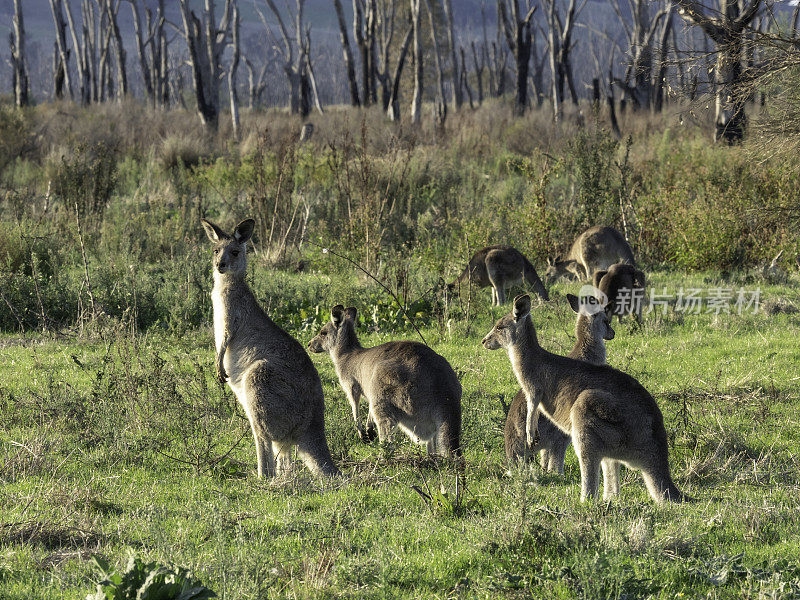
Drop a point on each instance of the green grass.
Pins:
(112, 445)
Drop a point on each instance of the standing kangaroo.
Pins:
(272, 377)
(406, 383)
(623, 286)
(591, 331)
(596, 248)
(499, 267)
(608, 413)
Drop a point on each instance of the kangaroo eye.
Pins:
(216, 250)
(323, 333)
(500, 327)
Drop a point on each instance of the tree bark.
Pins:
(348, 54)
(232, 92)
(61, 74)
(458, 96)
(727, 33)
(206, 40)
(18, 58)
(393, 107)
(121, 55)
(416, 102)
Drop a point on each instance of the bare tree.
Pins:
(517, 29)
(18, 59)
(480, 65)
(393, 104)
(646, 36)
(727, 31)
(458, 96)
(206, 40)
(111, 9)
(295, 58)
(349, 65)
(416, 102)
(365, 17)
(441, 101)
(560, 44)
(234, 66)
(61, 71)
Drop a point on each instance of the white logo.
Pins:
(591, 300)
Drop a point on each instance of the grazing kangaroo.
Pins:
(406, 383)
(608, 413)
(623, 286)
(591, 331)
(269, 372)
(596, 248)
(499, 267)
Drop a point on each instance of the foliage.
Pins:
(146, 581)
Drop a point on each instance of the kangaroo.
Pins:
(623, 287)
(608, 413)
(591, 331)
(499, 267)
(272, 377)
(406, 383)
(596, 248)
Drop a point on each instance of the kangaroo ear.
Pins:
(522, 307)
(351, 313)
(598, 275)
(244, 230)
(337, 315)
(214, 233)
(574, 302)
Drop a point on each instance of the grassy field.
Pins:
(119, 441)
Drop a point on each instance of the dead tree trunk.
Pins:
(18, 59)
(561, 46)
(61, 73)
(660, 74)
(416, 102)
(348, 54)
(295, 63)
(232, 92)
(441, 101)
(727, 32)
(111, 10)
(393, 106)
(517, 30)
(458, 95)
(364, 30)
(480, 65)
(384, 47)
(206, 40)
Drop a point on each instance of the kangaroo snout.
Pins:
(489, 343)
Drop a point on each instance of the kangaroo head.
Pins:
(230, 251)
(510, 328)
(595, 325)
(339, 332)
(558, 268)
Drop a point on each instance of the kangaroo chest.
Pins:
(219, 317)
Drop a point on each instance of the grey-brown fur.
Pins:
(608, 414)
(499, 267)
(269, 372)
(591, 332)
(406, 384)
(595, 249)
(623, 286)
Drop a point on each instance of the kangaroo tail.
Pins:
(313, 450)
(532, 278)
(450, 432)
